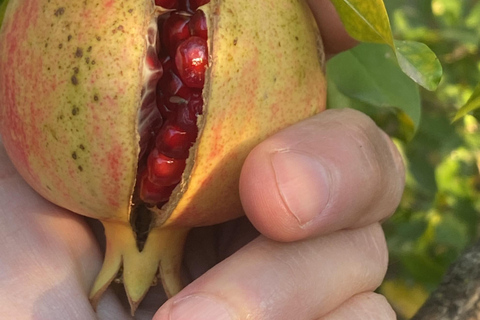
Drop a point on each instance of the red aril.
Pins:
(175, 30)
(153, 194)
(186, 118)
(198, 25)
(174, 90)
(163, 170)
(173, 141)
(191, 5)
(191, 61)
(167, 4)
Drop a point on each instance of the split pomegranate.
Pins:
(184, 60)
(140, 113)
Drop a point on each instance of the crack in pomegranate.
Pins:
(175, 65)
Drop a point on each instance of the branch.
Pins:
(458, 296)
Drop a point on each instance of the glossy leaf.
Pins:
(369, 73)
(419, 63)
(367, 21)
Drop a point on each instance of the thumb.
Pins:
(333, 171)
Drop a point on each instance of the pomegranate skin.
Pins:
(67, 126)
(72, 77)
(264, 75)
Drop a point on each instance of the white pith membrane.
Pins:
(150, 119)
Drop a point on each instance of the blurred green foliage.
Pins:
(439, 214)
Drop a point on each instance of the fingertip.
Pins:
(334, 35)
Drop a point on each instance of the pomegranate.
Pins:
(141, 114)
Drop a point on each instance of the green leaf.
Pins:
(369, 73)
(367, 21)
(419, 63)
(450, 231)
(3, 7)
(472, 104)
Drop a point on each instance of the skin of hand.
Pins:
(310, 246)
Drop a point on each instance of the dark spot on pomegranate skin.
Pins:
(60, 11)
(75, 110)
(74, 155)
(74, 80)
(79, 53)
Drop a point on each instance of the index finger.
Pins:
(335, 37)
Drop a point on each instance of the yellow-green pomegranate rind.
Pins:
(266, 73)
(71, 77)
(70, 83)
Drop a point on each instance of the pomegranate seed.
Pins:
(192, 5)
(187, 119)
(152, 60)
(167, 63)
(198, 25)
(154, 64)
(175, 30)
(150, 125)
(196, 102)
(152, 193)
(163, 170)
(167, 4)
(173, 141)
(191, 61)
(173, 86)
(195, 4)
(171, 92)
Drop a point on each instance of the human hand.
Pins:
(49, 257)
(317, 202)
(337, 182)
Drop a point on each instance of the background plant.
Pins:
(438, 216)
